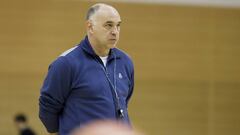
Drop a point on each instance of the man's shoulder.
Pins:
(69, 51)
(66, 57)
(71, 54)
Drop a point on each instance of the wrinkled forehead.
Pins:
(106, 14)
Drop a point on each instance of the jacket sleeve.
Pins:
(131, 82)
(55, 90)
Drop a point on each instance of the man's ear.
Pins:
(89, 26)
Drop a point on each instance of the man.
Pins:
(92, 81)
(22, 125)
(105, 128)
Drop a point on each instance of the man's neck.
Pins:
(99, 49)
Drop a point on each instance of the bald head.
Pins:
(105, 128)
(99, 7)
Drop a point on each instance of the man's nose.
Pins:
(115, 30)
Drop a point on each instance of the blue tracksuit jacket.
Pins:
(76, 89)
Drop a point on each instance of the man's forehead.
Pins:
(108, 19)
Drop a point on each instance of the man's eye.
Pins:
(108, 25)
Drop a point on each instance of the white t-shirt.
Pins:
(104, 60)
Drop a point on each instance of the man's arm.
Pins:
(54, 92)
(131, 76)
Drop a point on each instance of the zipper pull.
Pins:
(120, 113)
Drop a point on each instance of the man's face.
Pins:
(106, 27)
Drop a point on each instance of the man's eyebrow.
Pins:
(112, 22)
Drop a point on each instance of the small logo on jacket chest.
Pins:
(120, 76)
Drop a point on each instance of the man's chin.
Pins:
(112, 45)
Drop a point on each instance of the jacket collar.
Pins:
(85, 44)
